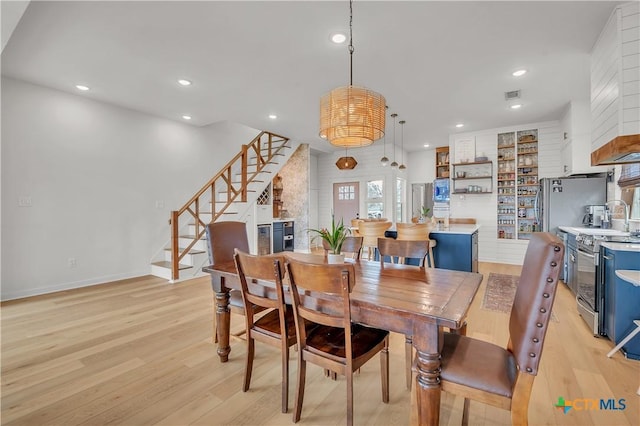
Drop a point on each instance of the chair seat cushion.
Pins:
(330, 340)
(477, 364)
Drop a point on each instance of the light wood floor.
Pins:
(139, 352)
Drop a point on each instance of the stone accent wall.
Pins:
(295, 194)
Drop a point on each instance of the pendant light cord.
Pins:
(351, 49)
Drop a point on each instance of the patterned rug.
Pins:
(500, 292)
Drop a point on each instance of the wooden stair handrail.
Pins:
(225, 178)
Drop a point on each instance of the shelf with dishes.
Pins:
(473, 177)
(442, 162)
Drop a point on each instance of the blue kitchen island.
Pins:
(621, 294)
(456, 247)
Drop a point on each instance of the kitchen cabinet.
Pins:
(473, 178)
(576, 144)
(517, 184)
(621, 298)
(442, 162)
(457, 251)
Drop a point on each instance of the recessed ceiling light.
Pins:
(82, 87)
(184, 82)
(273, 116)
(186, 117)
(516, 106)
(426, 145)
(338, 38)
(459, 125)
(519, 73)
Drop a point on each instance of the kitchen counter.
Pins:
(593, 231)
(632, 277)
(622, 246)
(456, 229)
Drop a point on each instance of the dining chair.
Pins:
(275, 328)
(351, 246)
(337, 344)
(404, 249)
(222, 239)
(417, 231)
(503, 377)
(371, 230)
(462, 220)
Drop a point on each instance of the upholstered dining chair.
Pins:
(277, 327)
(222, 239)
(371, 230)
(503, 377)
(417, 231)
(351, 246)
(336, 344)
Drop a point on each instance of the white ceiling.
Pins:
(437, 63)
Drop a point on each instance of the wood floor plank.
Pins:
(139, 351)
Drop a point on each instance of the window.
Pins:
(635, 204)
(401, 199)
(375, 199)
(346, 192)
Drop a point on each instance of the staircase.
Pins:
(229, 195)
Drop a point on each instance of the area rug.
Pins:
(500, 292)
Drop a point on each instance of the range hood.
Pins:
(620, 150)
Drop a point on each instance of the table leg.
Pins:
(223, 324)
(425, 340)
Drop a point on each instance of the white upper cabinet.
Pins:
(576, 144)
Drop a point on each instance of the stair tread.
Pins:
(192, 237)
(268, 162)
(192, 251)
(167, 264)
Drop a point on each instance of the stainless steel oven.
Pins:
(586, 295)
(590, 295)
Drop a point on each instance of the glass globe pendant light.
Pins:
(394, 164)
(384, 160)
(402, 166)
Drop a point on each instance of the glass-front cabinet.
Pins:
(517, 184)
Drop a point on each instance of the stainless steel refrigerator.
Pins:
(561, 201)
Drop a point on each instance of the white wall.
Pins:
(422, 166)
(102, 181)
(368, 168)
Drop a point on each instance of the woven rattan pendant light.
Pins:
(352, 116)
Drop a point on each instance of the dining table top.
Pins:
(439, 296)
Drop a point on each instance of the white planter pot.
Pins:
(335, 258)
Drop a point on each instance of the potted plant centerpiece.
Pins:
(333, 238)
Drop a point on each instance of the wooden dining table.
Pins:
(399, 298)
